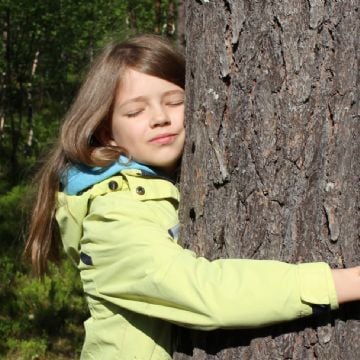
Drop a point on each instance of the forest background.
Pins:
(45, 49)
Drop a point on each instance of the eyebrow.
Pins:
(143, 98)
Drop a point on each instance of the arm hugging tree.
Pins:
(271, 167)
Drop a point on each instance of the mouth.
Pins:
(163, 139)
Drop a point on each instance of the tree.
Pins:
(271, 165)
(181, 24)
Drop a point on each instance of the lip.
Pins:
(163, 139)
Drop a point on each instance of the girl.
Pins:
(109, 184)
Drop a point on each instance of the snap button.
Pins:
(140, 190)
(113, 185)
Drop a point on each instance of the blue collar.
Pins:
(81, 177)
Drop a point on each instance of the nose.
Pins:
(159, 117)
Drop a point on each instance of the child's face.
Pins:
(148, 120)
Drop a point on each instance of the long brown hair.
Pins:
(80, 142)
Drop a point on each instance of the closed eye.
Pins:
(175, 103)
(134, 113)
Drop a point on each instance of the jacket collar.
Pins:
(80, 177)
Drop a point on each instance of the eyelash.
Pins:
(134, 114)
(175, 103)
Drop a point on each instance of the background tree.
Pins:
(271, 166)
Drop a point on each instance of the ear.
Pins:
(104, 135)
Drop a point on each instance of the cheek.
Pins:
(182, 116)
(131, 132)
(179, 116)
(119, 131)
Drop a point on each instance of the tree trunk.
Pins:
(180, 24)
(271, 166)
(158, 17)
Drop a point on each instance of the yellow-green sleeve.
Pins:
(136, 265)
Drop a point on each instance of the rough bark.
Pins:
(271, 166)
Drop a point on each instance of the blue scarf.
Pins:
(81, 177)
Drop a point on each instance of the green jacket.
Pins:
(138, 281)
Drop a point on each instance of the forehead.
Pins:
(136, 84)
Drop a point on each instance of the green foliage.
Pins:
(26, 349)
(45, 302)
(47, 46)
(41, 314)
(11, 213)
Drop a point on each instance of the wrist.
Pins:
(347, 284)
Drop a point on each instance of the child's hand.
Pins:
(347, 284)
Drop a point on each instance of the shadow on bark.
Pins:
(216, 341)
